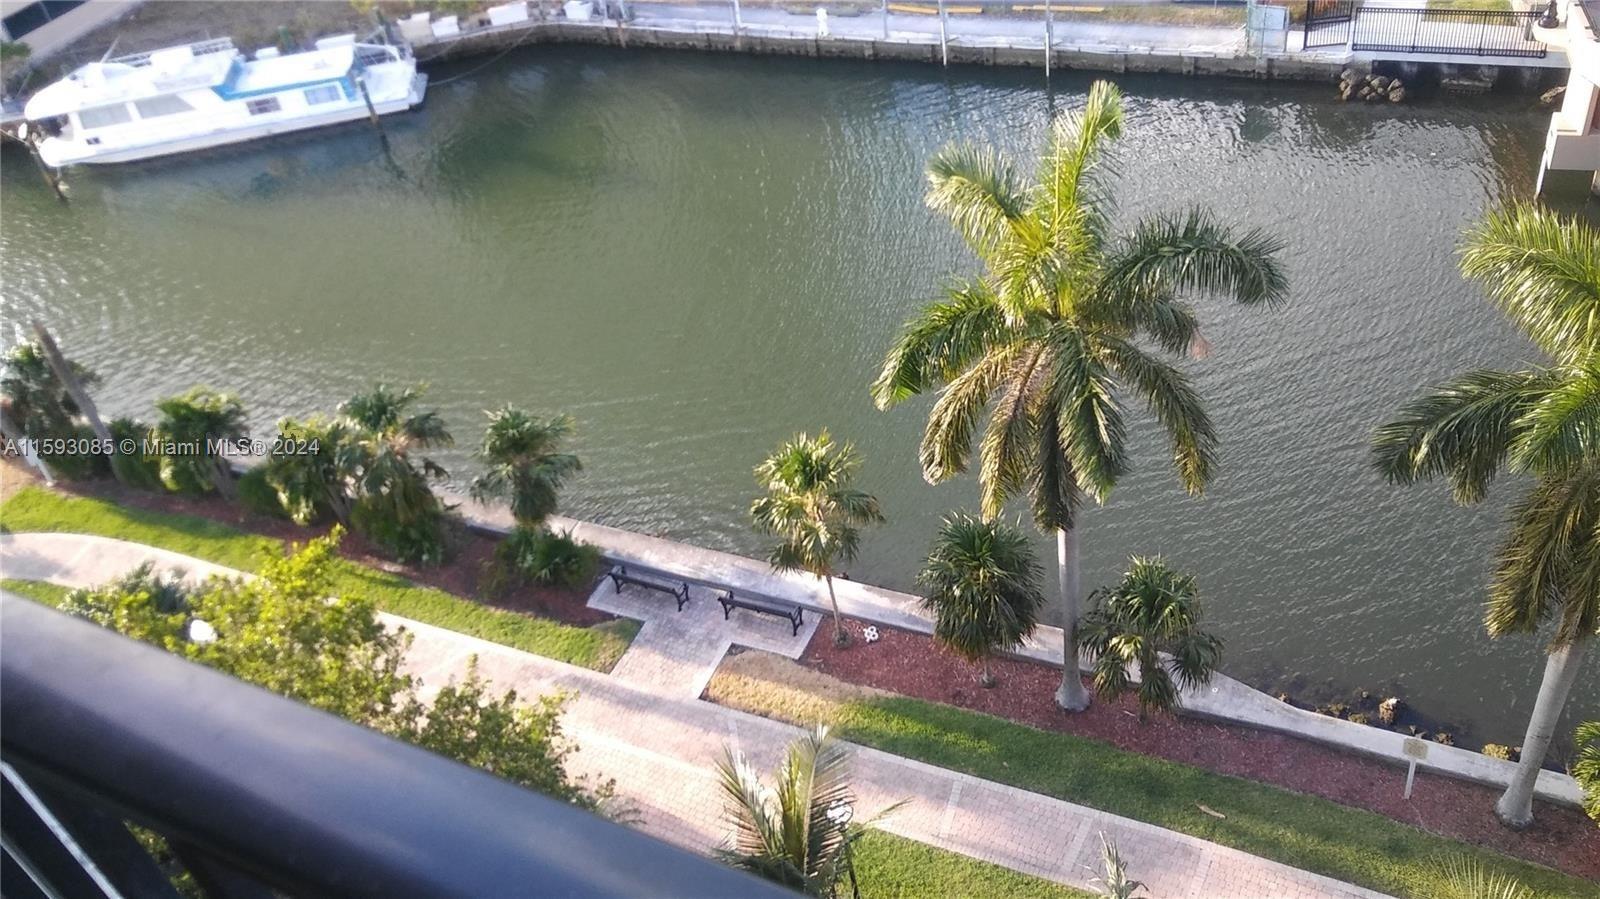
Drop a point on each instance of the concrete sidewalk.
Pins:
(644, 726)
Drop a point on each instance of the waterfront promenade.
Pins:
(644, 726)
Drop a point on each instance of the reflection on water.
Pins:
(697, 256)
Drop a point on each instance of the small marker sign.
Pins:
(1414, 750)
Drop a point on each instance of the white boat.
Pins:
(209, 94)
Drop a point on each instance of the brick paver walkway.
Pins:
(644, 726)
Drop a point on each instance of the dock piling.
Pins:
(944, 36)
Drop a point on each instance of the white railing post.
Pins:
(884, 7)
(944, 37)
(738, 19)
(1049, 39)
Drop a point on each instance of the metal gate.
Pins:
(1327, 22)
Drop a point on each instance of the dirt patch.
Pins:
(15, 475)
(912, 664)
(778, 687)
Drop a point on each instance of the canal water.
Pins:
(697, 256)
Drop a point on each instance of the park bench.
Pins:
(793, 614)
(619, 576)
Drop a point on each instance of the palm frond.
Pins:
(1462, 430)
(1175, 404)
(1195, 252)
(1083, 396)
(1543, 271)
(1562, 428)
(1068, 197)
(977, 189)
(941, 342)
(1546, 566)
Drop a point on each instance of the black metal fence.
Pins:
(1461, 32)
(1327, 22)
(259, 796)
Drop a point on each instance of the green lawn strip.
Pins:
(38, 591)
(893, 867)
(1492, 5)
(1296, 829)
(38, 509)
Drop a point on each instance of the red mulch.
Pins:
(460, 575)
(913, 665)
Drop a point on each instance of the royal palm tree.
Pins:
(394, 503)
(813, 509)
(524, 465)
(982, 583)
(191, 431)
(1543, 272)
(1045, 340)
(1151, 618)
(800, 832)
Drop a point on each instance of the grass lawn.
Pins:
(892, 867)
(38, 591)
(1304, 831)
(39, 509)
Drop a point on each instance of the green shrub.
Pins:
(418, 539)
(134, 469)
(257, 495)
(548, 558)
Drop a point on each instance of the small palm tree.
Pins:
(799, 832)
(524, 464)
(1544, 274)
(1465, 877)
(1047, 338)
(395, 504)
(982, 584)
(813, 510)
(1113, 878)
(190, 433)
(1586, 769)
(313, 472)
(1150, 619)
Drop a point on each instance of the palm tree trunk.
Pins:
(1515, 807)
(840, 638)
(1072, 696)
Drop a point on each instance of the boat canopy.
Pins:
(132, 78)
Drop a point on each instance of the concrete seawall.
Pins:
(899, 47)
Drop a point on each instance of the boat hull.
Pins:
(55, 158)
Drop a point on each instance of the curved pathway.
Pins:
(644, 726)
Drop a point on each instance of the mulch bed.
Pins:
(913, 665)
(460, 575)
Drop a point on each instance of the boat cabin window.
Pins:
(102, 116)
(151, 107)
(262, 106)
(322, 93)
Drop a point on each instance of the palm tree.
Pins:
(1045, 340)
(1151, 619)
(1544, 274)
(313, 472)
(395, 505)
(982, 584)
(190, 433)
(799, 832)
(36, 399)
(813, 510)
(523, 463)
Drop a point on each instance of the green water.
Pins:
(697, 256)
